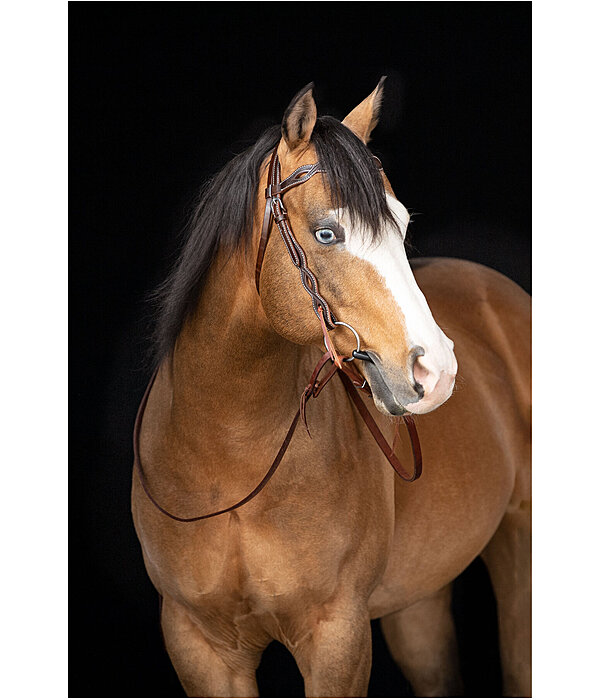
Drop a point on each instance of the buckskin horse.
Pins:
(253, 530)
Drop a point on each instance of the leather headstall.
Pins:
(275, 211)
(335, 363)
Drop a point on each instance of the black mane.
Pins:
(224, 214)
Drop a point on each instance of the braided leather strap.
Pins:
(275, 210)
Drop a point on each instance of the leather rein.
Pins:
(330, 364)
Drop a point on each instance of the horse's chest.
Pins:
(325, 526)
(249, 568)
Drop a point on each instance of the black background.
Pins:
(161, 95)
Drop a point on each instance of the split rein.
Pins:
(336, 364)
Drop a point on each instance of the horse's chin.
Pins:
(388, 408)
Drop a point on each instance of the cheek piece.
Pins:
(332, 361)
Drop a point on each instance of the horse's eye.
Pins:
(325, 236)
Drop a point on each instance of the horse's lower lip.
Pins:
(382, 394)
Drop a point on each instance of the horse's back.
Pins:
(482, 310)
(468, 292)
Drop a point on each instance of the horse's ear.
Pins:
(299, 119)
(363, 119)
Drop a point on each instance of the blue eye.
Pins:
(325, 236)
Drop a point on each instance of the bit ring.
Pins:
(347, 325)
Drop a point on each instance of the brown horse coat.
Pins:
(335, 539)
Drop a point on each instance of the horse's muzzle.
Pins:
(389, 396)
(414, 389)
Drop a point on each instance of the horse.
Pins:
(334, 538)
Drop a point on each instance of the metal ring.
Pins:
(347, 325)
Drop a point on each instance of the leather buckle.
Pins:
(276, 200)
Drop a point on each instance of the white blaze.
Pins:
(388, 257)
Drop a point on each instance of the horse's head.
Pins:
(352, 228)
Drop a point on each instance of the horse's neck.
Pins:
(230, 370)
(224, 403)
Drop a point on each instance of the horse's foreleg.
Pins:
(508, 559)
(203, 669)
(422, 641)
(335, 656)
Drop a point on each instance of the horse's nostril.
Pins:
(425, 375)
(419, 373)
(416, 352)
(419, 389)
